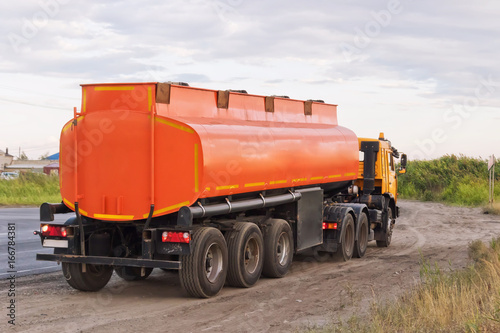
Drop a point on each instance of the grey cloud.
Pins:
(445, 41)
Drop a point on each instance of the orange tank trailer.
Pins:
(141, 144)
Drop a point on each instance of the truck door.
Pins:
(383, 163)
(391, 173)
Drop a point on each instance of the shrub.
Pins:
(453, 179)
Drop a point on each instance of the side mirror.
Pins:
(404, 160)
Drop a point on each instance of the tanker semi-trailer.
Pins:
(223, 186)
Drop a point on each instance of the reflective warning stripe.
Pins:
(169, 123)
(114, 217)
(255, 184)
(166, 209)
(114, 88)
(227, 187)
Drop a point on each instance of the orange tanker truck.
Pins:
(222, 186)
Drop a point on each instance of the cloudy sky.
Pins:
(427, 73)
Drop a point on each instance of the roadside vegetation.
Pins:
(467, 300)
(29, 189)
(452, 179)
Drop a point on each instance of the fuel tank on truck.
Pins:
(138, 144)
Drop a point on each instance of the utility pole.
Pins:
(491, 179)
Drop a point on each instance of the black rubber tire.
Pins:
(197, 275)
(387, 226)
(278, 248)
(346, 249)
(245, 248)
(362, 243)
(94, 279)
(129, 273)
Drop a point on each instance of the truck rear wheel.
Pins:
(362, 242)
(204, 270)
(347, 238)
(94, 279)
(245, 254)
(278, 249)
(129, 273)
(387, 227)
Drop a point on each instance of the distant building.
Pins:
(27, 165)
(51, 169)
(54, 157)
(5, 159)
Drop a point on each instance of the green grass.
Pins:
(29, 189)
(466, 300)
(452, 179)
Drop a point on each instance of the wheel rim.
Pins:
(363, 236)
(213, 262)
(349, 240)
(282, 249)
(389, 224)
(251, 255)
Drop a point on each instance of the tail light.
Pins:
(175, 237)
(54, 230)
(327, 225)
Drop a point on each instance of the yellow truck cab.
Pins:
(377, 183)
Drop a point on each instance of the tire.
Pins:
(94, 279)
(347, 238)
(278, 249)
(387, 225)
(362, 243)
(203, 272)
(129, 273)
(245, 255)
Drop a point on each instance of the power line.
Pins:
(34, 104)
(36, 93)
(42, 148)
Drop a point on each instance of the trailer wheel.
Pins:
(387, 226)
(94, 279)
(362, 242)
(347, 238)
(278, 249)
(204, 270)
(129, 273)
(245, 254)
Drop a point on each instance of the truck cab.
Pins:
(385, 173)
(378, 184)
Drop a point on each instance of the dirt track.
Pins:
(315, 291)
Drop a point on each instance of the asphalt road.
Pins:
(27, 245)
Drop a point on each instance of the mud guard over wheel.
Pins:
(132, 273)
(346, 249)
(387, 230)
(278, 248)
(204, 270)
(94, 279)
(362, 240)
(245, 254)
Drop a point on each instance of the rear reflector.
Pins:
(175, 237)
(327, 225)
(53, 230)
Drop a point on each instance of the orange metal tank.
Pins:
(134, 145)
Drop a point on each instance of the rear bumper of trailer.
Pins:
(111, 261)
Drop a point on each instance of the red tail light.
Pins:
(175, 237)
(327, 225)
(54, 230)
